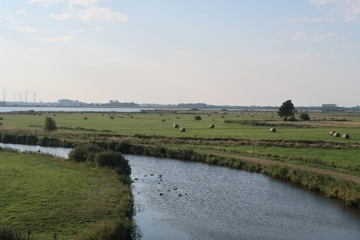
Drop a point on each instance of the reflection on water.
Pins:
(60, 152)
(222, 203)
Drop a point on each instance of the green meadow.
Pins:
(236, 132)
(231, 124)
(48, 195)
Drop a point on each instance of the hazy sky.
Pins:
(223, 52)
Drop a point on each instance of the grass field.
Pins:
(47, 194)
(287, 144)
(150, 124)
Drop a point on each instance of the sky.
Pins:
(221, 52)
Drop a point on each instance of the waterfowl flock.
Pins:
(160, 180)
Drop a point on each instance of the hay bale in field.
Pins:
(223, 116)
(1, 118)
(332, 132)
(39, 114)
(0, 123)
(102, 114)
(163, 119)
(336, 134)
(211, 126)
(131, 116)
(53, 114)
(345, 136)
(111, 117)
(176, 125)
(272, 129)
(161, 115)
(182, 130)
(177, 117)
(85, 118)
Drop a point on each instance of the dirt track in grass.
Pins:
(260, 161)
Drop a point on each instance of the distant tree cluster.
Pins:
(116, 103)
(68, 102)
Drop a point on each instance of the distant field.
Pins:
(48, 194)
(325, 151)
(244, 124)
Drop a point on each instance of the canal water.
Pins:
(185, 200)
(199, 201)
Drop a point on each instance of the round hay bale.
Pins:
(336, 134)
(211, 126)
(332, 132)
(177, 117)
(1, 118)
(85, 118)
(39, 114)
(176, 125)
(272, 129)
(345, 136)
(53, 114)
(182, 130)
(131, 116)
(111, 117)
(163, 119)
(223, 116)
(161, 115)
(102, 114)
(0, 123)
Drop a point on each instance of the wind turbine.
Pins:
(4, 94)
(26, 93)
(34, 96)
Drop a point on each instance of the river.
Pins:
(199, 201)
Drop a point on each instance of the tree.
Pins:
(49, 124)
(287, 110)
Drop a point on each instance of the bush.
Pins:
(113, 160)
(84, 152)
(305, 116)
(6, 233)
(292, 119)
(49, 124)
(49, 142)
(197, 118)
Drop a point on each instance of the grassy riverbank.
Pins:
(300, 151)
(46, 194)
